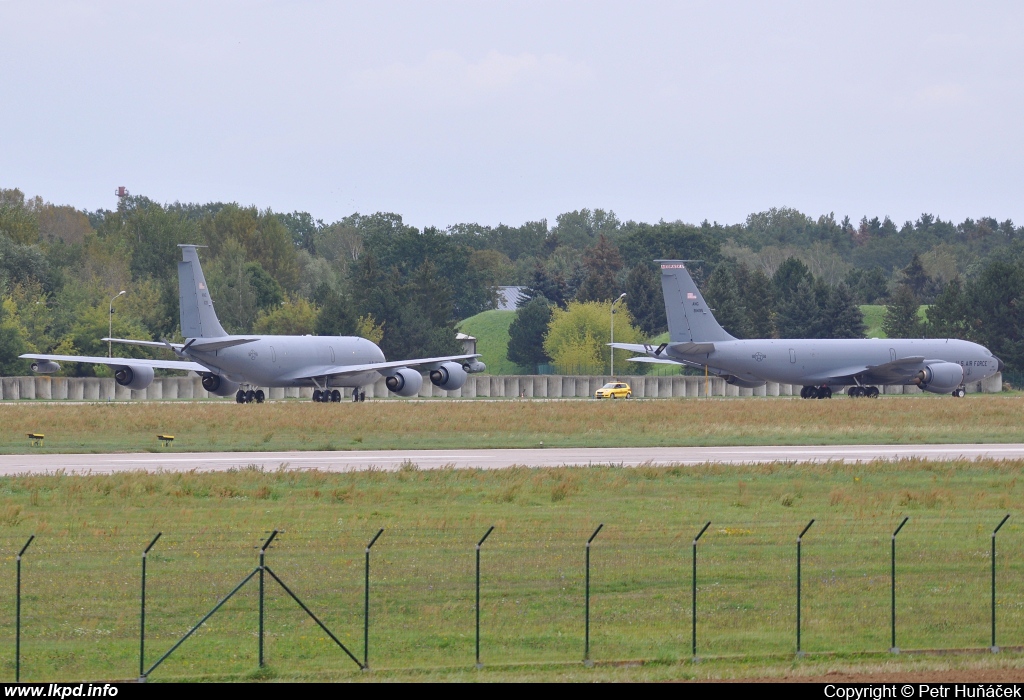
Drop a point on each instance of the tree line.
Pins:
(779, 273)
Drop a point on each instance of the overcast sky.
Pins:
(449, 112)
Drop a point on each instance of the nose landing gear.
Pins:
(959, 392)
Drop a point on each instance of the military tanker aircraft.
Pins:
(240, 364)
(941, 366)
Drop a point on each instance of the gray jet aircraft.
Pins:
(941, 366)
(239, 364)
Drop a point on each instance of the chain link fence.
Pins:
(81, 606)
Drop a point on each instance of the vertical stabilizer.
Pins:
(198, 319)
(689, 318)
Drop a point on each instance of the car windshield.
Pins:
(610, 385)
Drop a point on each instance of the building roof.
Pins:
(509, 298)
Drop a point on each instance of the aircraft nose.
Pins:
(999, 364)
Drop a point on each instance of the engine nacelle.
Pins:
(474, 366)
(45, 366)
(940, 378)
(405, 382)
(218, 385)
(449, 376)
(133, 377)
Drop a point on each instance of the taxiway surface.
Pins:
(491, 459)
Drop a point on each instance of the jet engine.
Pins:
(133, 377)
(45, 366)
(218, 385)
(474, 366)
(405, 382)
(449, 376)
(940, 378)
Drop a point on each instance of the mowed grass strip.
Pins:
(440, 424)
(81, 575)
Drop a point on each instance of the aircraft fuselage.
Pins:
(813, 362)
(273, 360)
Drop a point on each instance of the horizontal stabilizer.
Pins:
(211, 344)
(654, 360)
(143, 343)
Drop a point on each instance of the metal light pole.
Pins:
(110, 324)
(611, 323)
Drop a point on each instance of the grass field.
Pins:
(874, 315)
(437, 424)
(81, 575)
(490, 328)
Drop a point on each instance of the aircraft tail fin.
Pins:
(198, 319)
(689, 318)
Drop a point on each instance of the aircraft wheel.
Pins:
(807, 392)
(960, 392)
(240, 397)
(260, 396)
(249, 396)
(335, 396)
(317, 394)
(824, 393)
(872, 392)
(362, 396)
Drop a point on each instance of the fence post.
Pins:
(366, 605)
(17, 616)
(586, 612)
(142, 614)
(895, 649)
(799, 540)
(694, 596)
(995, 649)
(478, 545)
(263, 552)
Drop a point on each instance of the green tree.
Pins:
(526, 334)
(996, 312)
(947, 317)
(297, 316)
(337, 315)
(759, 298)
(12, 341)
(723, 296)
(841, 316)
(268, 292)
(602, 263)
(788, 276)
(645, 300)
(578, 337)
(799, 315)
(901, 319)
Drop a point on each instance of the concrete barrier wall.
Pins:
(527, 386)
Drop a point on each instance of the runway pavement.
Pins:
(490, 459)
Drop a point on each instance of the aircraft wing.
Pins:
(122, 361)
(889, 373)
(342, 370)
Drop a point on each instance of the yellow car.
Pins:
(614, 390)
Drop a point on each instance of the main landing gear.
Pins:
(249, 396)
(326, 396)
(816, 392)
(855, 392)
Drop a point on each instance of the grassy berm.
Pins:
(81, 575)
(443, 424)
